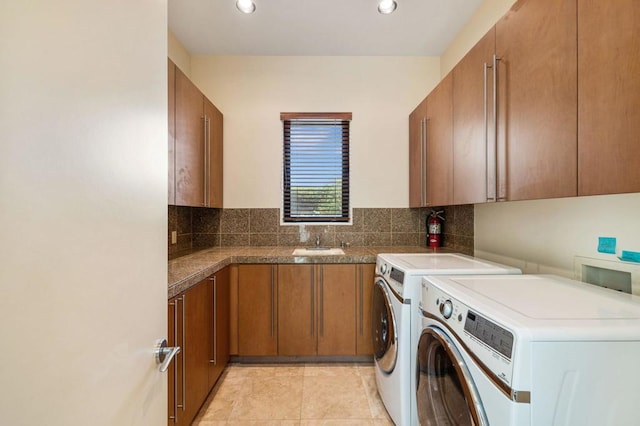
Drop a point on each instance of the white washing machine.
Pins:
(397, 321)
(527, 350)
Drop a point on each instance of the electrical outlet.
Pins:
(174, 237)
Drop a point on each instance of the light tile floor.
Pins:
(295, 394)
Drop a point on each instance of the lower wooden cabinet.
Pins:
(336, 309)
(199, 324)
(219, 295)
(316, 310)
(257, 313)
(297, 296)
(303, 310)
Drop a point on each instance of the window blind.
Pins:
(316, 167)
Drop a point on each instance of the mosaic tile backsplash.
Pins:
(199, 228)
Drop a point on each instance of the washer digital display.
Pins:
(397, 275)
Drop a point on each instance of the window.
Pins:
(316, 167)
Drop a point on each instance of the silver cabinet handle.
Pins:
(426, 160)
(361, 301)
(498, 190)
(164, 354)
(321, 302)
(423, 161)
(207, 147)
(175, 364)
(204, 161)
(214, 361)
(184, 363)
(272, 300)
(207, 180)
(313, 287)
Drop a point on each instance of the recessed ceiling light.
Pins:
(246, 6)
(387, 6)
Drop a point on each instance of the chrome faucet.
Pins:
(317, 240)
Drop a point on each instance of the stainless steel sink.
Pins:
(317, 251)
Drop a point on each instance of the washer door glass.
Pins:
(385, 346)
(445, 392)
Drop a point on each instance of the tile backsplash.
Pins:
(198, 227)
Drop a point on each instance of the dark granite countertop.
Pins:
(188, 270)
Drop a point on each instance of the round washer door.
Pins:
(385, 340)
(446, 394)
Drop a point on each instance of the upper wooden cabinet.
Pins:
(417, 155)
(472, 87)
(430, 149)
(537, 100)
(609, 94)
(197, 168)
(439, 131)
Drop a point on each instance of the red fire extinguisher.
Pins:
(434, 228)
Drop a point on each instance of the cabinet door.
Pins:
(257, 315)
(417, 155)
(472, 91)
(220, 327)
(171, 81)
(609, 93)
(439, 165)
(197, 306)
(537, 100)
(365, 278)
(337, 310)
(296, 310)
(189, 154)
(213, 148)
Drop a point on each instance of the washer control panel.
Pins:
(474, 332)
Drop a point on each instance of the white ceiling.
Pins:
(319, 27)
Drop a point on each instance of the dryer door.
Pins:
(385, 341)
(446, 394)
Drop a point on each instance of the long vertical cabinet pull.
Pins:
(489, 152)
(313, 288)
(423, 161)
(184, 355)
(426, 161)
(272, 300)
(174, 417)
(321, 301)
(215, 321)
(207, 159)
(361, 272)
(422, 179)
(204, 160)
(500, 189)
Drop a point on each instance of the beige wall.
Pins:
(544, 235)
(487, 14)
(252, 91)
(178, 54)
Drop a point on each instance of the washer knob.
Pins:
(446, 309)
(383, 268)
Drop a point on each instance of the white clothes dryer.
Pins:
(397, 321)
(527, 350)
